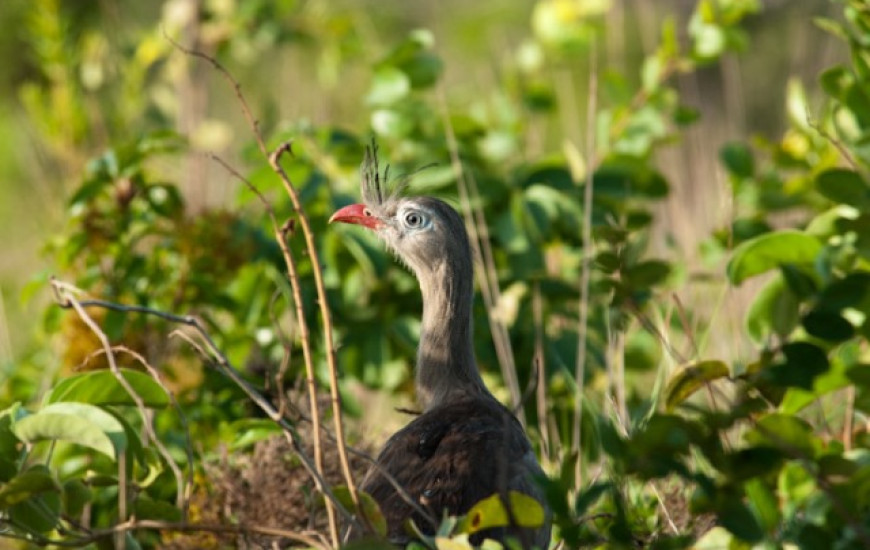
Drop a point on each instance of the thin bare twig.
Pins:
(184, 484)
(274, 160)
(210, 351)
(181, 527)
(281, 234)
(325, 314)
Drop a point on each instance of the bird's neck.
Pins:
(446, 368)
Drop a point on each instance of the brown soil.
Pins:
(265, 488)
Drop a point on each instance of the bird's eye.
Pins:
(367, 212)
(413, 219)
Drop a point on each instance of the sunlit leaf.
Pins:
(453, 543)
(102, 387)
(691, 378)
(368, 507)
(77, 423)
(491, 512)
(764, 503)
(771, 250)
(251, 430)
(389, 85)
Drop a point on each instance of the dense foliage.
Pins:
(645, 445)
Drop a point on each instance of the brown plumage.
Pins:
(465, 446)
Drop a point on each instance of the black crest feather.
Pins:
(373, 183)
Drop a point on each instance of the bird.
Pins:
(465, 445)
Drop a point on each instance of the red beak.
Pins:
(357, 214)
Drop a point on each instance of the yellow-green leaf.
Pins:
(77, 423)
(368, 508)
(691, 378)
(490, 512)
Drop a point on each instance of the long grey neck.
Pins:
(446, 368)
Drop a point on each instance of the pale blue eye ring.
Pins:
(413, 219)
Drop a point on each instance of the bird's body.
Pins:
(465, 446)
(451, 457)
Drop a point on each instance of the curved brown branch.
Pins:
(325, 314)
(274, 158)
(214, 355)
(184, 484)
(281, 234)
(180, 527)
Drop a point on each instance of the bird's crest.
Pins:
(376, 191)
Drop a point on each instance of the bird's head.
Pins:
(424, 232)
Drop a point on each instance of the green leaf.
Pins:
(801, 284)
(389, 85)
(376, 544)
(836, 378)
(11, 451)
(390, 123)
(828, 325)
(850, 291)
(39, 514)
(770, 251)
(75, 496)
(146, 508)
(793, 436)
(736, 517)
(101, 387)
(709, 41)
(251, 430)
(589, 496)
(737, 158)
(764, 503)
(691, 378)
(843, 186)
(491, 512)
(457, 543)
(77, 423)
(415, 58)
(34, 481)
(859, 375)
(647, 274)
(368, 507)
(803, 363)
(751, 462)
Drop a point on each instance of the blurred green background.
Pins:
(319, 72)
(707, 150)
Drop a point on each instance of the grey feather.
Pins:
(466, 445)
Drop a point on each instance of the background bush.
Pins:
(699, 318)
